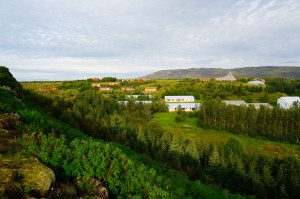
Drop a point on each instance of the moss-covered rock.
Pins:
(33, 177)
(9, 121)
(20, 175)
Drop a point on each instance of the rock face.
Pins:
(99, 190)
(20, 176)
(33, 177)
(7, 79)
(9, 121)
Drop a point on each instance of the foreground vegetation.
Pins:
(72, 154)
(222, 157)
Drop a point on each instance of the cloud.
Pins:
(137, 36)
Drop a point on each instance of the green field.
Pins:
(189, 131)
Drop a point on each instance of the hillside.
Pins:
(7, 80)
(263, 72)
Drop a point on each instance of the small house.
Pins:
(127, 88)
(105, 88)
(183, 98)
(96, 85)
(54, 88)
(287, 102)
(150, 89)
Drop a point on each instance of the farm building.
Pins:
(127, 88)
(132, 96)
(105, 88)
(188, 98)
(150, 89)
(287, 102)
(54, 88)
(256, 82)
(184, 106)
(137, 102)
(139, 96)
(228, 77)
(258, 105)
(96, 85)
(235, 102)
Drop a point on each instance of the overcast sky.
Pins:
(77, 39)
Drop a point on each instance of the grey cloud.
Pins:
(151, 34)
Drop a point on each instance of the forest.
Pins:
(102, 117)
(119, 139)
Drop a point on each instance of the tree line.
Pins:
(275, 124)
(288, 86)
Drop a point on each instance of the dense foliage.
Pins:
(128, 174)
(288, 86)
(275, 124)
(224, 165)
(121, 169)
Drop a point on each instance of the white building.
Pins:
(139, 97)
(228, 77)
(179, 98)
(184, 106)
(137, 102)
(256, 82)
(287, 102)
(258, 105)
(235, 102)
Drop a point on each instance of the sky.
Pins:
(79, 39)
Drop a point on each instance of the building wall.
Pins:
(179, 100)
(150, 89)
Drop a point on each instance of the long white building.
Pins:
(184, 106)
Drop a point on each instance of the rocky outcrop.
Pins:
(9, 121)
(20, 176)
(98, 191)
(32, 177)
(8, 80)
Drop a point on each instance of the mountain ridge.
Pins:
(260, 71)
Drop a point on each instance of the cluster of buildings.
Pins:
(285, 102)
(109, 86)
(187, 103)
(230, 78)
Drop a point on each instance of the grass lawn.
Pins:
(189, 130)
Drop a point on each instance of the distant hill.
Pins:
(262, 71)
